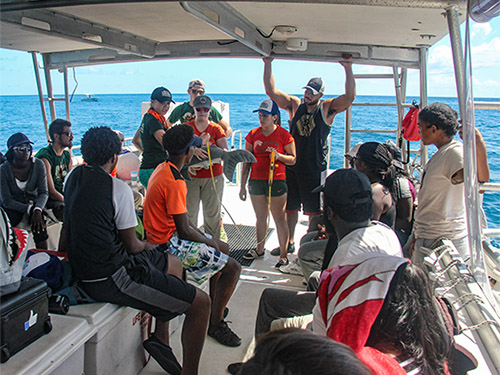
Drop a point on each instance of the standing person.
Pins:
(151, 131)
(58, 163)
(310, 126)
(441, 202)
(202, 184)
(263, 141)
(168, 226)
(113, 266)
(23, 188)
(185, 112)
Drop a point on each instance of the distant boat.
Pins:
(90, 98)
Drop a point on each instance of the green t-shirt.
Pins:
(153, 153)
(185, 113)
(59, 165)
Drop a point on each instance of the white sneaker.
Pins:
(292, 268)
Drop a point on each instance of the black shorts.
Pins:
(261, 187)
(300, 186)
(143, 284)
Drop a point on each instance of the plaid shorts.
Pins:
(200, 260)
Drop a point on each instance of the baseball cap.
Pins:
(316, 85)
(162, 94)
(196, 142)
(202, 101)
(16, 140)
(269, 107)
(346, 191)
(353, 151)
(196, 83)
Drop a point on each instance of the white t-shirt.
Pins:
(375, 238)
(123, 202)
(441, 205)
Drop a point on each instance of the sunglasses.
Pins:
(23, 148)
(69, 134)
(200, 109)
(197, 92)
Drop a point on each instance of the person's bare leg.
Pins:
(260, 206)
(292, 218)
(161, 328)
(224, 288)
(194, 332)
(278, 205)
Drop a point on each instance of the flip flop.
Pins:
(163, 354)
(252, 254)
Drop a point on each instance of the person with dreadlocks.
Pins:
(375, 161)
(273, 147)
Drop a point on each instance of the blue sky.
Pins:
(245, 75)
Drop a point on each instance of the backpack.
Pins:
(410, 124)
(13, 251)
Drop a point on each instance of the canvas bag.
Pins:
(13, 250)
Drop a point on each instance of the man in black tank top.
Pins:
(311, 121)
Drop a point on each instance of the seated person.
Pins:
(23, 190)
(57, 162)
(168, 226)
(112, 265)
(390, 319)
(348, 211)
(295, 351)
(375, 161)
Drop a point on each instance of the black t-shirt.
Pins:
(94, 247)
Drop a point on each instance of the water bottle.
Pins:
(133, 178)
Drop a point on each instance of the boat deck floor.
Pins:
(244, 303)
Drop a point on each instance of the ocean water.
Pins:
(123, 112)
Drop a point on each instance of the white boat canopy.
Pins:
(376, 32)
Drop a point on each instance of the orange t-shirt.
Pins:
(216, 132)
(166, 196)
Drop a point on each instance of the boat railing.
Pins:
(490, 186)
(237, 133)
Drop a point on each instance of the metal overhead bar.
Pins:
(68, 27)
(225, 18)
(365, 55)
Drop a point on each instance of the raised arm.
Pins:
(284, 101)
(341, 103)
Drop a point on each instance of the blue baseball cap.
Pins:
(162, 94)
(269, 107)
(195, 142)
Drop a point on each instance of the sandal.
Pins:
(281, 262)
(163, 354)
(290, 249)
(224, 335)
(253, 254)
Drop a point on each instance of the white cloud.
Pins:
(129, 72)
(486, 54)
(481, 29)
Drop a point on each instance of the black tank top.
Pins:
(310, 132)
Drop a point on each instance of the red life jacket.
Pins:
(410, 125)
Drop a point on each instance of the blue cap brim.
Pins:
(196, 142)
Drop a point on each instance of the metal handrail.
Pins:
(238, 166)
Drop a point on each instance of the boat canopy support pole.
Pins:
(66, 92)
(458, 57)
(50, 93)
(424, 155)
(40, 94)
